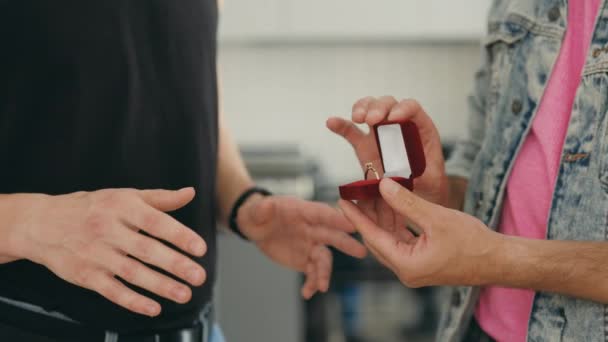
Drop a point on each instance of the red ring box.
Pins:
(402, 158)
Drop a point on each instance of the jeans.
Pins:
(216, 334)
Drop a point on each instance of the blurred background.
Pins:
(287, 65)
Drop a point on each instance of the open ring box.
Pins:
(402, 157)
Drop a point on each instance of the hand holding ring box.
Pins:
(402, 158)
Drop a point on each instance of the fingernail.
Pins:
(194, 275)
(180, 294)
(389, 186)
(196, 248)
(151, 310)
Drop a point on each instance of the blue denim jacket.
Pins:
(523, 42)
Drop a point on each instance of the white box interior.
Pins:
(394, 153)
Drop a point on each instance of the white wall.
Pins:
(353, 20)
(284, 93)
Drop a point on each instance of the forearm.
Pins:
(6, 222)
(232, 176)
(576, 269)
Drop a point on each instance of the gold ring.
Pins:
(370, 167)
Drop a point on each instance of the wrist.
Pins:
(498, 265)
(18, 213)
(245, 217)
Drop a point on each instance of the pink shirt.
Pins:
(503, 313)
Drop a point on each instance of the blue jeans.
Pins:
(216, 334)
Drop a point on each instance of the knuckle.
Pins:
(109, 200)
(180, 265)
(150, 220)
(362, 102)
(86, 276)
(97, 223)
(83, 248)
(113, 292)
(388, 99)
(129, 270)
(133, 304)
(144, 248)
(83, 276)
(411, 104)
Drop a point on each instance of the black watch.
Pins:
(232, 224)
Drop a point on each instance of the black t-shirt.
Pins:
(101, 94)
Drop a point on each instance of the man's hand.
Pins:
(457, 249)
(452, 248)
(294, 233)
(433, 184)
(90, 238)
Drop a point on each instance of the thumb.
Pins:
(167, 200)
(406, 203)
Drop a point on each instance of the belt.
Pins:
(61, 330)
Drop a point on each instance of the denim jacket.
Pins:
(522, 45)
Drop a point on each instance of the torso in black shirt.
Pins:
(108, 94)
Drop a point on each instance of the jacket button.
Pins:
(554, 14)
(456, 300)
(516, 107)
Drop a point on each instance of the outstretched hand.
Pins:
(295, 233)
(449, 248)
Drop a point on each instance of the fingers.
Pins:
(347, 130)
(340, 240)
(165, 227)
(386, 216)
(318, 272)
(379, 110)
(412, 110)
(322, 214)
(167, 200)
(414, 208)
(115, 291)
(372, 110)
(380, 257)
(360, 109)
(322, 259)
(136, 273)
(386, 244)
(78, 271)
(369, 208)
(310, 285)
(155, 253)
